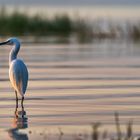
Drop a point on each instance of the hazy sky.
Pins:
(71, 2)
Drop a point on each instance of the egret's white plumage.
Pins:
(18, 72)
(18, 75)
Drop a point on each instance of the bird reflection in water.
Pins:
(20, 121)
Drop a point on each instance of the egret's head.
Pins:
(10, 41)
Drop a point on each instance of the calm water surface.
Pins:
(72, 86)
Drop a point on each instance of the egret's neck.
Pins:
(14, 52)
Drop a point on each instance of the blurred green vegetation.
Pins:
(135, 32)
(63, 27)
(19, 24)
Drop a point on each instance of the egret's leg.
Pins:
(16, 112)
(22, 102)
(16, 99)
(23, 111)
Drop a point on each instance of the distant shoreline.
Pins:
(62, 27)
(97, 11)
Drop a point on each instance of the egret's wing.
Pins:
(18, 76)
(24, 75)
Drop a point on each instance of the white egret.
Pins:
(18, 72)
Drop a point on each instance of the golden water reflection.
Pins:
(20, 121)
(72, 86)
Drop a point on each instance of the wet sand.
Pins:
(70, 89)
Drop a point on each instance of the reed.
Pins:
(21, 24)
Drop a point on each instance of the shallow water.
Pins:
(72, 86)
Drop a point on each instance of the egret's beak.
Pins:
(4, 43)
